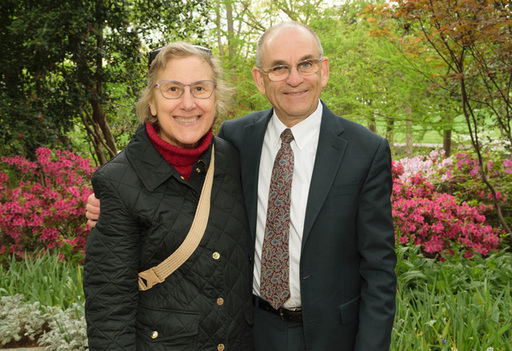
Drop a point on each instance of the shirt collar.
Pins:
(302, 131)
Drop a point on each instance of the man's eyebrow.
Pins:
(307, 57)
(283, 62)
(278, 63)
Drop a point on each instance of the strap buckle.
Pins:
(151, 279)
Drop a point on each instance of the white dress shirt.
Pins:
(304, 146)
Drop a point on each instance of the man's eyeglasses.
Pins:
(153, 53)
(172, 89)
(281, 72)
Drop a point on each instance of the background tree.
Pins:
(473, 40)
(81, 59)
(370, 82)
(235, 34)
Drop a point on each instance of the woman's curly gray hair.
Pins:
(222, 92)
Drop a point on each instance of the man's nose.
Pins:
(295, 77)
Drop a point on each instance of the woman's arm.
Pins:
(110, 273)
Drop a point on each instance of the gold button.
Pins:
(182, 177)
(221, 347)
(154, 335)
(198, 170)
(216, 255)
(220, 301)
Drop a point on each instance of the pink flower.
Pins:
(46, 203)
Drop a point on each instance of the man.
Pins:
(340, 285)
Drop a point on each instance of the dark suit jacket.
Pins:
(348, 282)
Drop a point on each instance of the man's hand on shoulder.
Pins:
(92, 210)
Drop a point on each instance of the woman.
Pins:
(149, 194)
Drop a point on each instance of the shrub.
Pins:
(35, 324)
(42, 202)
(459, 175)
(67, 330)
(20, 321)
(465, 183)
(435, 220)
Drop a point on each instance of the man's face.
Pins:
(296, 97)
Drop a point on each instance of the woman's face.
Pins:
(185, 120)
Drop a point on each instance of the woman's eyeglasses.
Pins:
(172, 89)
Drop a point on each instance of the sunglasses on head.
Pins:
(154, 53)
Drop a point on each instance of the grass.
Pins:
(432, 133)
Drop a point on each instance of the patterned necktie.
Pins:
(275, 265)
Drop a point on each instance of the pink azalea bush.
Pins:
(508, 166)
(437, 203)
(433, 166)
(459, 175)
(42, 202)
(466, 182)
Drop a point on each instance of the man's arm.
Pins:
(92, 210)
(378, 258)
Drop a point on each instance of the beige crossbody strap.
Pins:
(158, 273)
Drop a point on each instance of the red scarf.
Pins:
(181, 159)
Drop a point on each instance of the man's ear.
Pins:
(258, 78)
(325, 70)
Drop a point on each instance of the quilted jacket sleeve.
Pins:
(110, 273)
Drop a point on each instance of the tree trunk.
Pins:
(231, 30)
(473, 133)
(371, 122)
(389, 130)
(219, 28)
(447, 142)
(408, 132)
(101, 133)
(447, 136)
(99, 120)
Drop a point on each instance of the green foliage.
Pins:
(43, 278)
(370, 82)
(79, 59)
(460, 303)
(457, 304)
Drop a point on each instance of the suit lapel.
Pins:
(250, 154)
(330, 152)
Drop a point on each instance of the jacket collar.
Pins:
(149, 165)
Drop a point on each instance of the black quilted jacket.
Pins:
(146, 212)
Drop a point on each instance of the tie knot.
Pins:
(287, 136)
